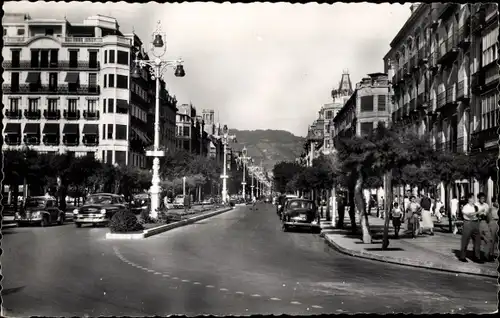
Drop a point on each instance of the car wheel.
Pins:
(44, 222)
(78, 225)
(60, 220)
(284, 227)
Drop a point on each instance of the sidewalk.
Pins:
(435, 252)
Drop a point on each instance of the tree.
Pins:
(284, 172)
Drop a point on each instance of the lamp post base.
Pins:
(155, 189)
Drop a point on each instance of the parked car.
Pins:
(282, 201)
(208, 201)
(40, 210)
(300, 213)
(99, 209)
(140, 202)
(179, 201)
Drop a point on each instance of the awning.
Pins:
(72, 78)
(71, 129)
(91, 129)
(122, 103)
(32, 128)
(142, 135)
(33, 78)
(12, 129)
(51, 129)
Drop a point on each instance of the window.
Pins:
(111, 105)
(111, 80)
(120, 157)
(20, 31)
(122, 81)
(122, 57)
(14, 104)
(14, 81)
(93, 79)
(366, 103)
(328, 114)
(105, 56)
(185, 131)
(103, 134)
(54, 58)
(105, 80)
(49, 32)
(35, 58)
(121, 132)
(489, 111)
(72, 105)
(52, 105)
(93, 59)
(32, 105)
(92, 106)
(73, 59)
(490, 47)
(109, 156)
(111, 56)
(16, 58)
(52, 81)
(366, 128)
(381, 103)
(110, 131)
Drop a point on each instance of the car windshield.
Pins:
(300, 205)
(179, 197)
(35, 203)
(99, 199)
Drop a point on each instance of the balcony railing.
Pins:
(12, 140)
(71, 115)
(92, 41)
(51, 90)
(91, 115)
(51, 140)
(90, 141)
(450, 94)
(32, 114)
(57, 66)
(448, 49)
(71, 140)
(463, 35)
(52, 114)
(441, 99)
(414, 61)
(433, 60)
(13, 114)
(462, 92)
(31, 140)
(480, 138)
(422, 100)
(478, 21)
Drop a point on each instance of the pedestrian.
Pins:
(396, 215)
(437, 209)
(406, 202)
(484, 228)
(186, 203)
(427, 222)
(254, 201)
(413, 216)
(453, 213)
(470, 230)
(493, 224)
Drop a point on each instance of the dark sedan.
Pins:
(300, 213)
(98, 209)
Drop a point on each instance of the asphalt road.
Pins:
(237, 263)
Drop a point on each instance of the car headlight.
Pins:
(35, 214)
(75, 211)
(103, 211)
(17, 215)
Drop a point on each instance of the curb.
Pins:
(9, 225)
(410, 262)
(166, 227)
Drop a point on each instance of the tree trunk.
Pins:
(352, 210)
(387, 208)
(447, 205)
(361, 207)
(328, 198)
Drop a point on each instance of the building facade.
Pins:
(443, 65)
(67, 88)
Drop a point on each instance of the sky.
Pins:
(259, 65)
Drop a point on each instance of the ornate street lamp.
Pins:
(157, 66)
(244, 159)
(225, 138)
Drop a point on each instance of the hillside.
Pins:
(270, 146)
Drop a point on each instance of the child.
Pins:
(396, 215)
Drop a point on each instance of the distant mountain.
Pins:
(270, 146)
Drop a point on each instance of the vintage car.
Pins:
(208, 201)
(98, 209)
(179, 202)
(40, 210)
(140, 202)
(282, 202)
(300, 213)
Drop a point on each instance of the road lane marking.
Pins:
(166, 275)
(255, 295)
(316, 306)
(209, 286)
(197, 283)
(175, 278)
(240, 293)
(295, 303)
(157, 273)
(276, 299)
(151, 270)
(185, 280)
(223, 289)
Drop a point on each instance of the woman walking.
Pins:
(396, 215)
(470, 230)
(413, 217)
(484, 227)
(493, 224)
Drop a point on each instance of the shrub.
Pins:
(124, 221)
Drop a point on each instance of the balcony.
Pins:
(461, 146)
(401, 75)
(480, 138)
(406, 110)
(447, 10)
(90, 140)
(53, 66)
(31, 140)
(406, 69)
(51, 140)
(477, 82)
(32, 114)
(71, 115)
(441, 100)
(451, 97)
(422, 55)
(71, 140)
(462, 91)
(463, 36)
(68, 41)
(478, 21)
(434, 61)
(422, 101)
(91, 115)
(448, 50)
(12, 140)
(13, 114)
(26, 89)
(414, 62)
(54, 114)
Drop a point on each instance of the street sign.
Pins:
(152, 153)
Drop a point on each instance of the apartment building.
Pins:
(368, 105)
(444, 74)
(72, 80)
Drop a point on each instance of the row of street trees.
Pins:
(398, 156)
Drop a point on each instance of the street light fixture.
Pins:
(156, 67)
(225, 138)
(244, 159)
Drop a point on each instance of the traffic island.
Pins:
(153, 229)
